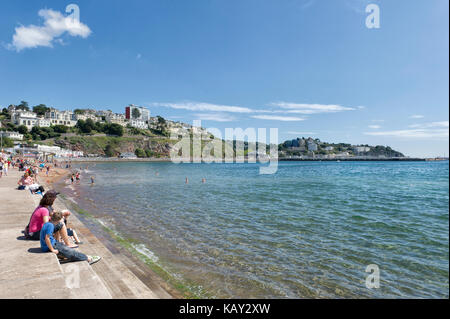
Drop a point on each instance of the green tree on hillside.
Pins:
(11, 127)
(7, 142)
(60, 128)
(23, 106)
(91, 124)
(140, 152)
(99, 127)
(136, 113)
(43, 133)
(161, 126)
(22, 129)
(86, 126)
(109, 151)
(113, 129)
(40, 109)
(81, 125)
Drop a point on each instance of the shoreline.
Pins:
(151, 275)
(200, 161)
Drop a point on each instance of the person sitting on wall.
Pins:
(41, 215)
(50, 244)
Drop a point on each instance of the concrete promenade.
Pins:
(26, 272)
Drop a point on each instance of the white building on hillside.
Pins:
(43, 122)
(86, 116)
(116, 118)
(312, 146)
(29, 119)
(138, 124)
(361, 149)
(12, 135)
(144, 113)
(101, 113)
(56, 117)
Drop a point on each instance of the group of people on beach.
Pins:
(76, 176)
(50, 228)
(46, 225)
(31, 170)
(5, 163)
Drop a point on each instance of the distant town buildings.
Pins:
(138, 124)
(67, 118)
(361, 149)
(133, 112)
(12, 135)
(44, 151)
(86, 116)
(134, 116)
(116, 118)
(43, 122)
(128, 155)
(316, 149)
(312, 146)
(29, 119)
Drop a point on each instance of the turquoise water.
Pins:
(309, 231)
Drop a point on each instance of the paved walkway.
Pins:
(26, 272)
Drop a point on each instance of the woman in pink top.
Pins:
(41, 215)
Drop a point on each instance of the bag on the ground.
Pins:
(26, 232)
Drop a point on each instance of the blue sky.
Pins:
(306, 67)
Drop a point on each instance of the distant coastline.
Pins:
(283, 159)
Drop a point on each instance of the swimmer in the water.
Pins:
(92, 179)
(203, 180)
(187, 181)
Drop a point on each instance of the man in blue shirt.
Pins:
(48, 243)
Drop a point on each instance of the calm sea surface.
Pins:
(309, 231)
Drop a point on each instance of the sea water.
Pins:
(308, 231)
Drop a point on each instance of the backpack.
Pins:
(26, 231)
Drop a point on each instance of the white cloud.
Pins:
(416, 116)
(198, 106)
(301, 133)
(279, 114)
(278, 118)
(429, 125)
(375, 126)
(55, 25)
(214, 117)
(423, 130)
(312, 108)
(418, 133)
